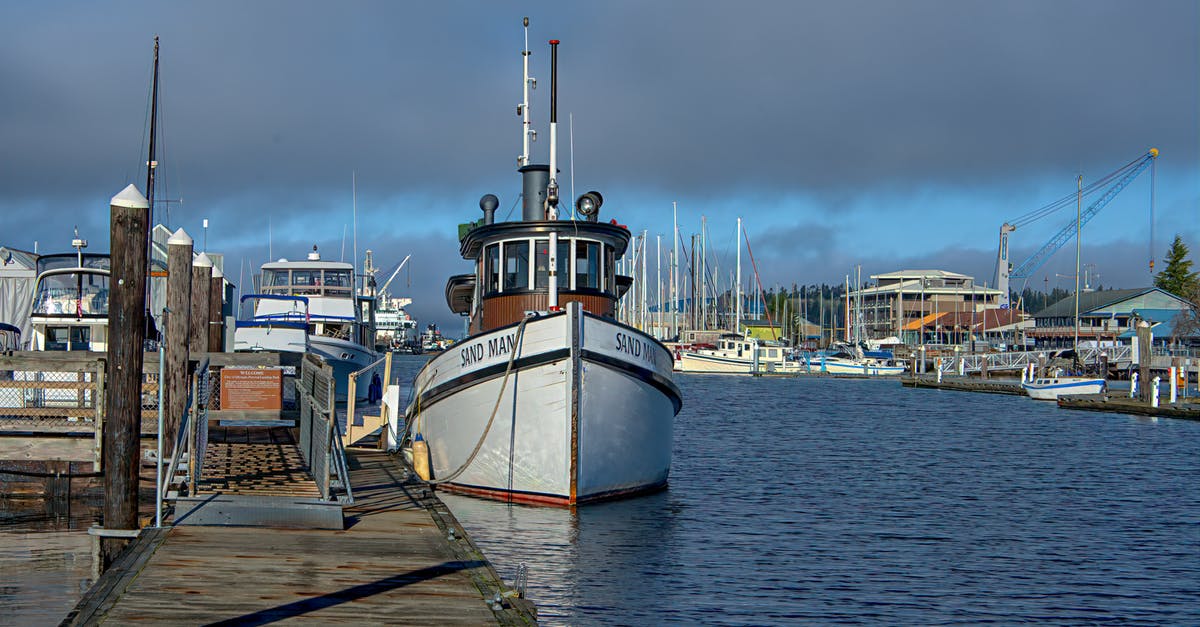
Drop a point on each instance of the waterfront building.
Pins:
(1106, 316)
(912, 305)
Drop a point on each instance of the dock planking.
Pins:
(965, 384)
(1187, 409)
(394, 563)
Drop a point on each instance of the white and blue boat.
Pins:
(1050, 388)
(312, 306)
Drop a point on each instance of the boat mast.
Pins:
(738, 321)
(526, 125)
(658, 299)
(1079, 209)
(703, 275)
(675, 268)
(552, 188)
(151, 164)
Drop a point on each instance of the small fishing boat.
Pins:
(848, 359)
(1050, 388)
(550, 400)
(311, 306)
(736, 354)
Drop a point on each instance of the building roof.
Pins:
(917, 274)
(914, 287)
(1092, 301)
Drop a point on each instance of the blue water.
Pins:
(820, 501)
(823, 501)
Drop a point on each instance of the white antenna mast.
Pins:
(552, 189)
(527, 132)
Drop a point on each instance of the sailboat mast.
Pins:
(151, 164)
(1079, 209)
(738, 321)
(675, 267)
(658, 300)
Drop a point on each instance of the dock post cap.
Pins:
(217, 274)
(130, 198)
(202, 261)
(180, 238)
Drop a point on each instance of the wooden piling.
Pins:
(179, 305)
(216, 296)
(126, 336)
(1145, 341)
(201, 286)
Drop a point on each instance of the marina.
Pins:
(732, 342)
(902, 507)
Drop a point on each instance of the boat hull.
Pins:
(1050, 389)
(713, 363)
(586, 412)
(345, 357)
(864, 369)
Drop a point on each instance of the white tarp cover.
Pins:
(17, 273)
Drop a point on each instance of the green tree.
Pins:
(1176, 276)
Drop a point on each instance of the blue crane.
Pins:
(1115, 181)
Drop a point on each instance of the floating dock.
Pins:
(1188, 409)
(965, 384)
(399, 556)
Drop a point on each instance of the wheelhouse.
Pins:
(70, 303)
(332, 306)
(512, 270)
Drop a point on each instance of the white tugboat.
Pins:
(550, 400)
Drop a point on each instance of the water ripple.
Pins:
(820, 501)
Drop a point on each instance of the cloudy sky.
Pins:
(883, 134)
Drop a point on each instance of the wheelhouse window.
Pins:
(587, 265)
(306, 281)
(68, 338)
(541, 277)
(491, 269)
(541, 263)
(516, 265)
(610, 269)
(72, 294)
(338, 279)
(275, 278)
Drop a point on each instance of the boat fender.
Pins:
(420, 451)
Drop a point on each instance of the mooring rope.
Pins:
(495, 408)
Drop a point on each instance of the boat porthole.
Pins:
(345, 355)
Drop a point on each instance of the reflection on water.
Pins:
(820, 501)
(46, 559)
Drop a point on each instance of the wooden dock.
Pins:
(965, 384)
(1188, 409)
(402, 558)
